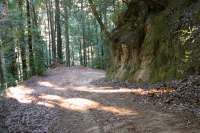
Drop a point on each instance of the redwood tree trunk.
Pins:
(53, 36)
(59, 39)
(67, 50)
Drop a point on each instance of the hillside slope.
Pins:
(156, 41)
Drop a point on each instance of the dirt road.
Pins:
(64, 101)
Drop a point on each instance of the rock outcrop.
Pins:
(156, 41)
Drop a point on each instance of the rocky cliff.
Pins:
(156, 41)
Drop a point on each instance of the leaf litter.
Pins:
(179, 97)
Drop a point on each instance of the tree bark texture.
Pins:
(67, 50)
(59, 39)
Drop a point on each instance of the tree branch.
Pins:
(126, 2)
(98, 18)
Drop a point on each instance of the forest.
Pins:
(34, 32)
(100, 66)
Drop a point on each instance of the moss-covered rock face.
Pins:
(151, 41)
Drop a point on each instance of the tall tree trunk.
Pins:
(79, 41)
(89, 44)
(53, 33)
(30, 46)
(59, 39)
(23, 60)
(97, 41)
(1, 72)
(50, 41)
(80, 52)
(39, 56)
(73, 54)
(22, 44)
(83, 35)
(67, 50)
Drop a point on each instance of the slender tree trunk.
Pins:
(67, 50)
(23, 57)
(80, 53)
(59, 39)
(73, 55)
(39, 56)
(89, 44)
(22, 44)
(83, 35)
(105, 22)
(79, 42)
(103, 28)
(1, 72)
(30, 46)
(53, 36)
(50, 41)
(97, 41)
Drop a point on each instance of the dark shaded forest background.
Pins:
(33, 32)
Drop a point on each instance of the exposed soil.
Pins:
(80, 100)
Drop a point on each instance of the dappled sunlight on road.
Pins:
(24, 95)
(55, 97)
(82, 104)
(51, 85)
(20, 93)
(52, 95)
(121, 90)
(47, 84)
(119, 111)
(102, 89)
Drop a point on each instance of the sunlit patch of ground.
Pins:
(122, 90)
(23, 95)
(51, 85)
(20, 93)
(82, 104)
(47, 84)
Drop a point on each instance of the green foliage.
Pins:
(15, 31)
(189, 39)
(188, 35)
(98, 62)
